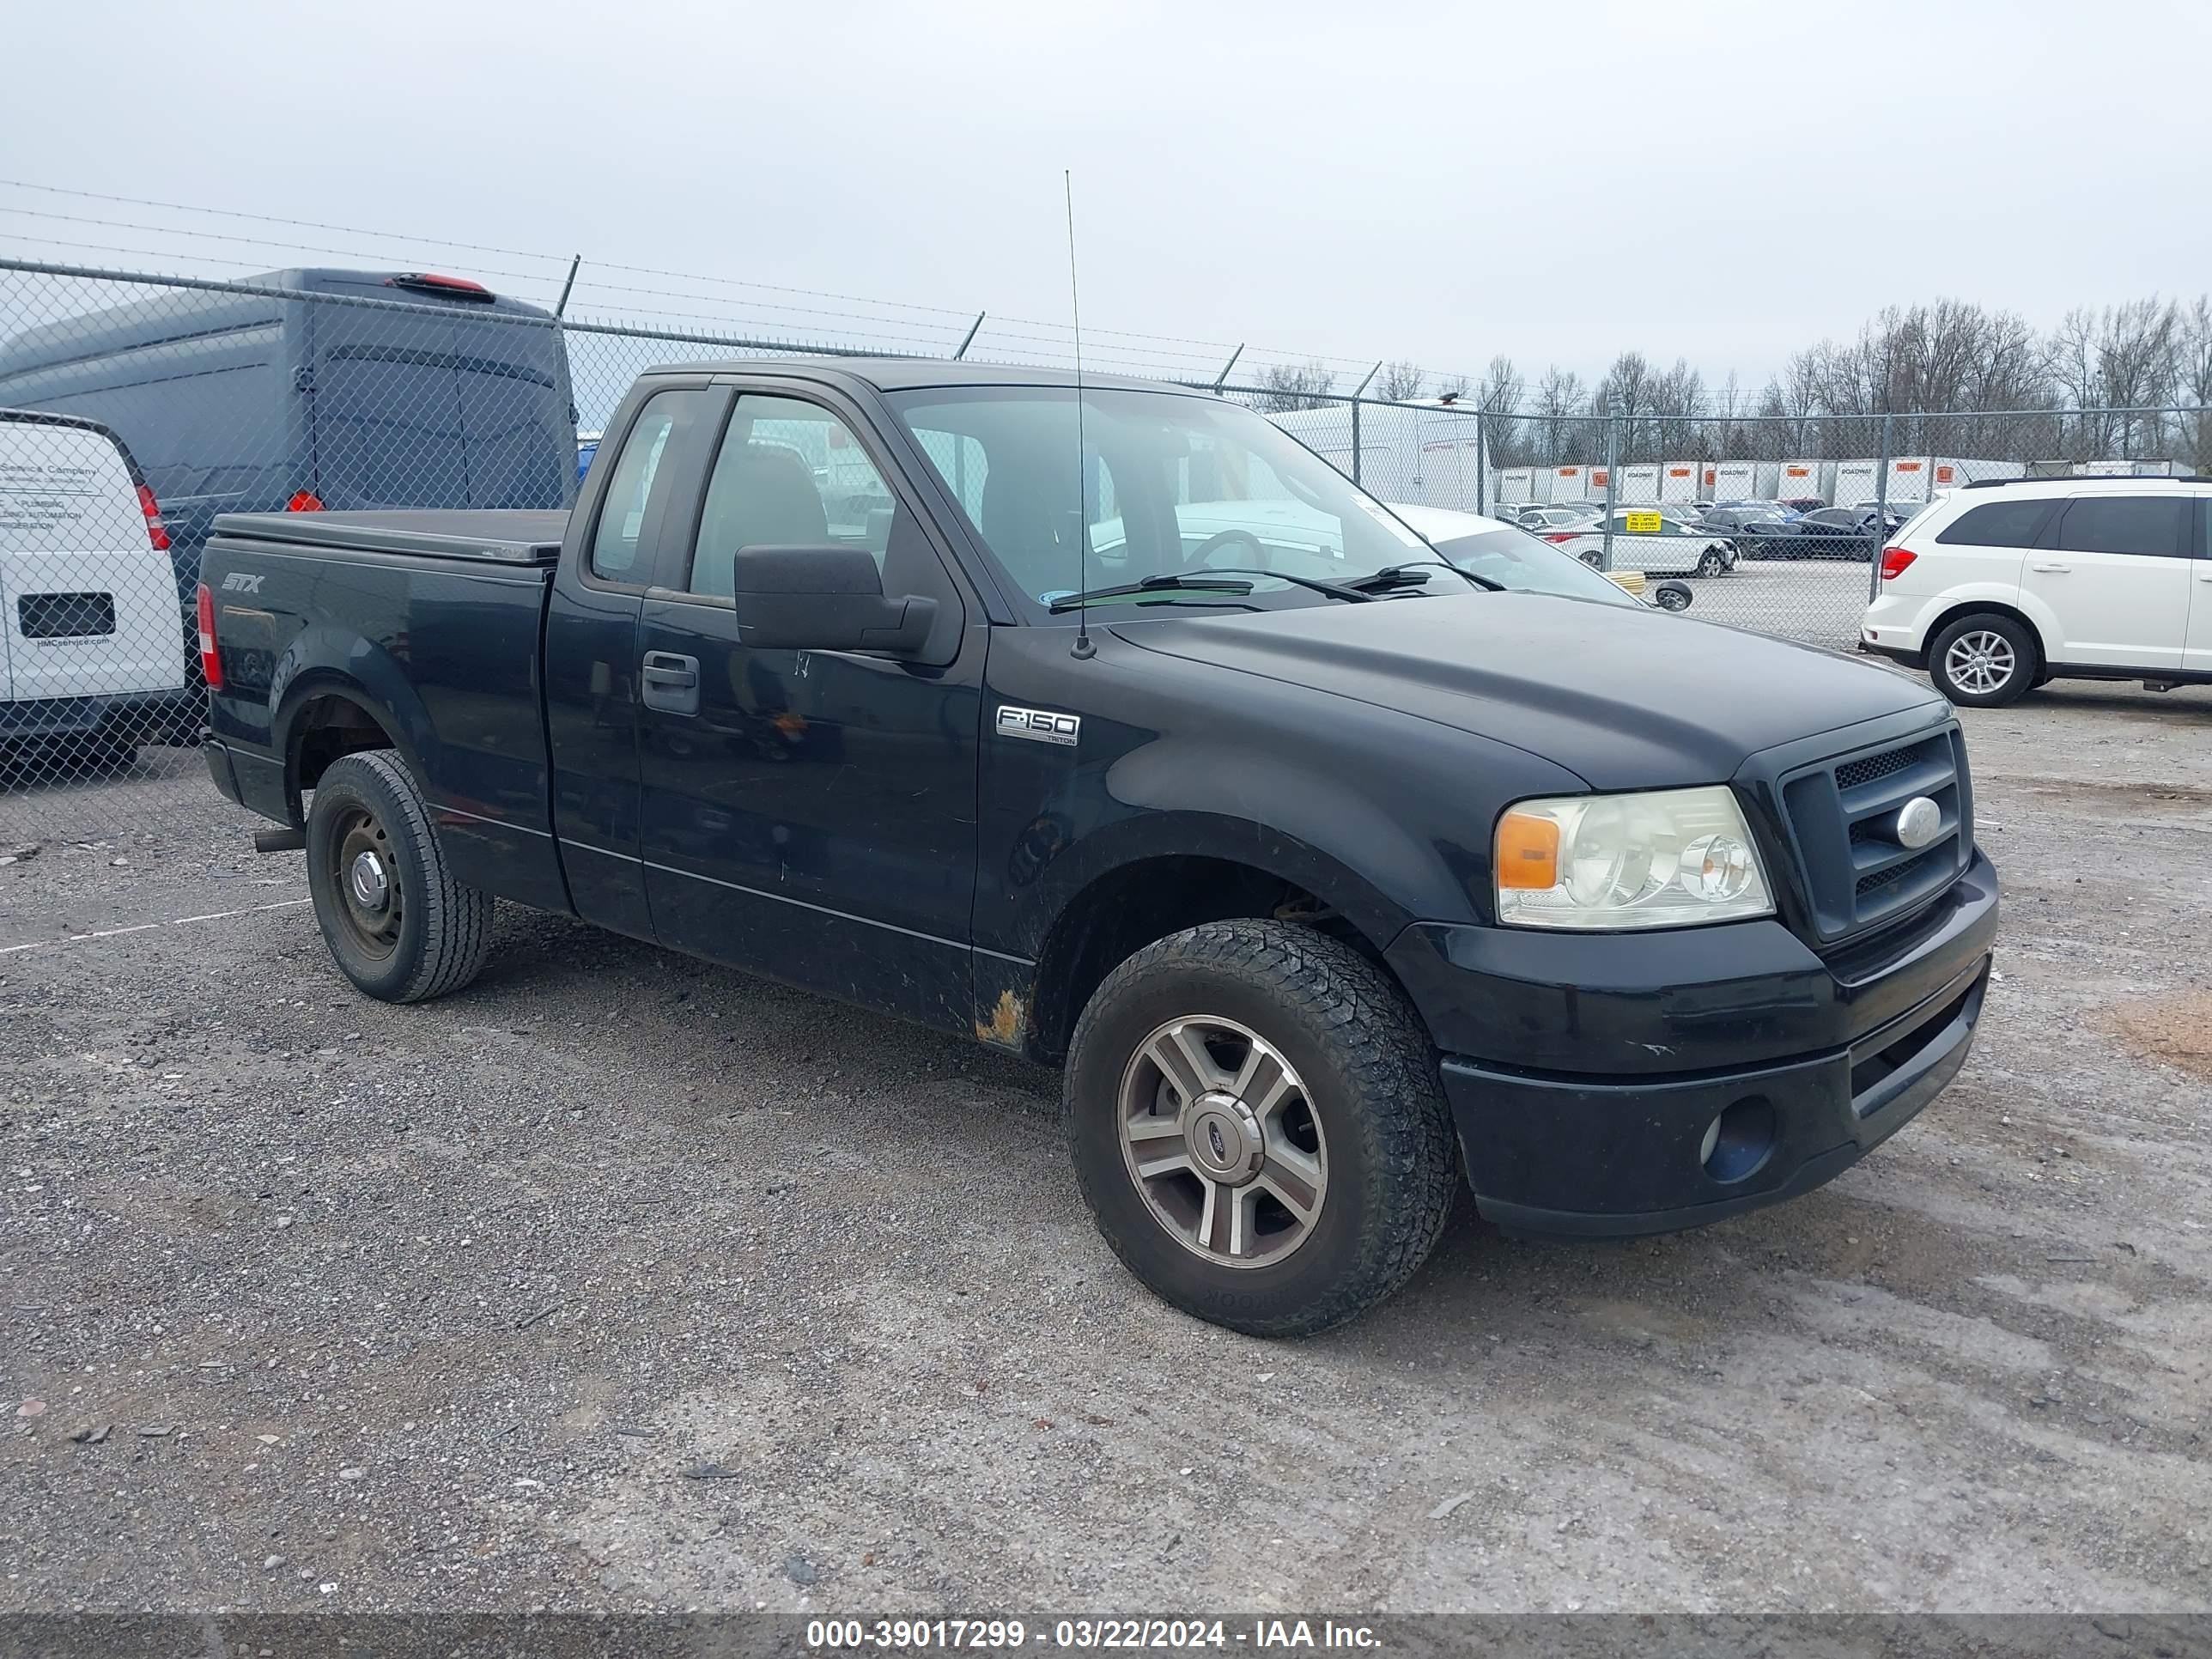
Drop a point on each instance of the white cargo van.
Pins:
(93, 661)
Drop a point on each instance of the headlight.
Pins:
(1669, 860)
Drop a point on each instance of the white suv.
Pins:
(1997, 588)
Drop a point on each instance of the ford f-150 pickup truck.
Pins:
(1331, 870)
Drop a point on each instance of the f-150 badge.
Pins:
(1039, 726)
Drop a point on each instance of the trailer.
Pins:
(1570, 483)
(1856, 483)
(1431, 455)
(1639, 484)
(1745, 480)
(1680, 482)
(1516, 486)
(1800, 479)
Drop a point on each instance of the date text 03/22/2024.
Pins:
(985, 1635)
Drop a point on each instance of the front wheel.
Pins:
(1711, 563)
(1258, 1127)
(397, 924)
(1984, 661)
(1595, 560)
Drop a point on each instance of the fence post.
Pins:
(560, 306)
(1355, 439)
(1881, 513)
(1612, 473)
(1482, 464)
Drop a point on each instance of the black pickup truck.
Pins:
(1330, 870)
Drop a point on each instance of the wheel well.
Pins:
(1979, 607)
(326, 729)
(1127, 909)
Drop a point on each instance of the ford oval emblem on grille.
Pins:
(1918, 821)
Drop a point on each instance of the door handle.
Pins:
(671, 682)
(2058, 568)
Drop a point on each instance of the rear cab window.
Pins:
(638, 491)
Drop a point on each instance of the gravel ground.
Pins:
(624, 1281)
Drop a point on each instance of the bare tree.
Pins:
(1558, 433)
(1628, 393)
(1500, 402)
(1679, 401)
(1290, 386)
(1400, 382)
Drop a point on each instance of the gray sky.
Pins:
(1721, 181)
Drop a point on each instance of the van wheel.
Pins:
(1258, 1127)
(1984, 661)
(397, 924)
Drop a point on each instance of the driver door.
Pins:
(811, 815)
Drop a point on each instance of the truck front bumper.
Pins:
(1798, 1065)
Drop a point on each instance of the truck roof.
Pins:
(914, 373)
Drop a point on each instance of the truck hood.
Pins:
(1623, 697)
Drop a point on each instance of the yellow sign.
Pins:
(1644, 523)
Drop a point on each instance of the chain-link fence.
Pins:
(139, 407)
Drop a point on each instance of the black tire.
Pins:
(1671, 596)
(439, 932)
(1368, 1075)
(2026, 660)
(1593, 559)
(1711, 563)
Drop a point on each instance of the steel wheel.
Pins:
(364, 872)
(1981, 661)
(1222, 1143)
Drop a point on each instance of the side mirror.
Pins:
(1671, 596)
(824, 598)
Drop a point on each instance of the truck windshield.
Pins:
(1172, 485)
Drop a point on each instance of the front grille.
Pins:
(1869, 769)
(1842, 818)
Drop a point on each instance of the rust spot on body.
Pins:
(1007, 1025)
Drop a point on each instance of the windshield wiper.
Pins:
(1334, 590)
(1414, 572)
(1165, 583)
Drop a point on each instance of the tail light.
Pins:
(1894, 561)
(156, 532)
(431, 281)
(304, 501)
(211, 659)
(1556, 540)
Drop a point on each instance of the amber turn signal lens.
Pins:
(1528, 852)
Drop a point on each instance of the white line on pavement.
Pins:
(149, 926)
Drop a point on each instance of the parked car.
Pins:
(1803, 503)
(1676, 548)
(91, 663)
(1998, 588)
(1560, 516)
(1513, 558)
(1825, 532)
(1326, 875)
(314, 388)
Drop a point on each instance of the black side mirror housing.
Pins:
(824, 598)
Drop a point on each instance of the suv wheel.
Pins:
(1258, 1127)
(1984, 661)
(397, 924)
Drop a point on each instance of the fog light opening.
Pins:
(1740, 1140)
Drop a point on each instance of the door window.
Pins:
(2148, 526)
(641, 483)
(788, 474)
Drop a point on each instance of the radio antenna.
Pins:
(1083, 649)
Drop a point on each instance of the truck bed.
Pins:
(514, 537)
